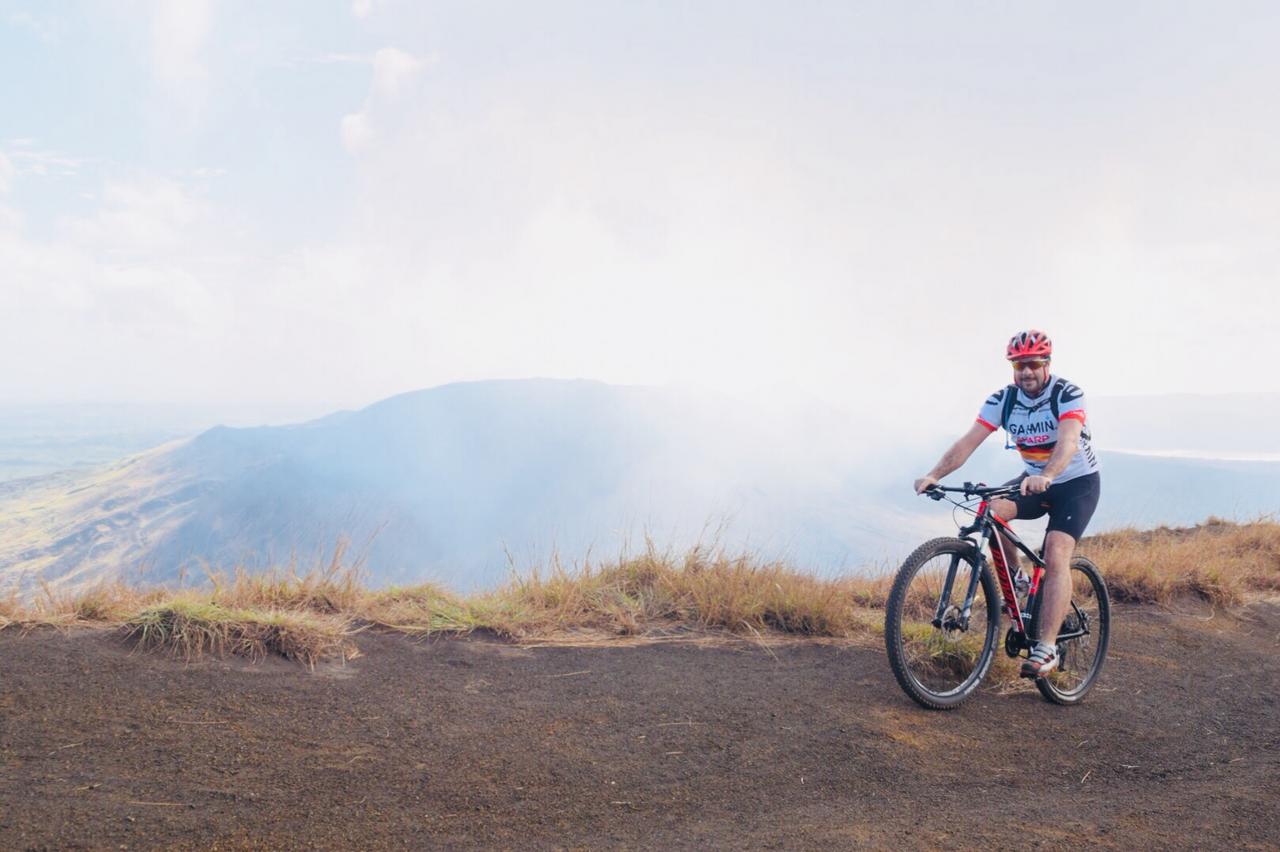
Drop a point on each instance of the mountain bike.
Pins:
(944, 611)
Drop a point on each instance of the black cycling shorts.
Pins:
(1070, 504)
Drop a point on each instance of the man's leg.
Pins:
(1055, 586)
(1007, 510)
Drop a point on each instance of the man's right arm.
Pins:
(953, 458)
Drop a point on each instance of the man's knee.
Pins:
(1058, 547)
(1006, 510)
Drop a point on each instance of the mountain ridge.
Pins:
(537, 463)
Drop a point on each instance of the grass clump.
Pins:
(101, 605)
(421, 610)
(333, 587)
(657, 591)
(1217, 561)
(192, 628)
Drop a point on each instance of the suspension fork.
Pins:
(970, 592)
(945, 597)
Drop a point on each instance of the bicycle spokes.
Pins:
(1082, 640)
(943, 639)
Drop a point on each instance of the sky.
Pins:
(324, 204)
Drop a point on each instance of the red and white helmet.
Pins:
(1032, 343)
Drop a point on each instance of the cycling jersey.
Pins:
(1034, 430)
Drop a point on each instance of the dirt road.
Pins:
(479, 743)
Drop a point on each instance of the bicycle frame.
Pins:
(986, 523)
(988, 526)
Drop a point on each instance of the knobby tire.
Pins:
(894, 614)
(1051, 687)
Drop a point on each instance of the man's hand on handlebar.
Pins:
(1035, 485)
(924, 483)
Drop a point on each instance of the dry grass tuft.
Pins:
(304, 617)
(658, 590)
(192, 628)
(1218, 561)
(10, 610)
(102, 605)
(419, 610)
(331, 588)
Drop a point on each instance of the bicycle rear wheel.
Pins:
(1081, 657)
(940, 667)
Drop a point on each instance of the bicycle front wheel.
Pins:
(938, 654)
(1088, 628)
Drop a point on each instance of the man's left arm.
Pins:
(1069, 429)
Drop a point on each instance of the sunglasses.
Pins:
(1033, 365)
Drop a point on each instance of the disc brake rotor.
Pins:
(952, 626)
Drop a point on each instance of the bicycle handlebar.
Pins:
(970, 489)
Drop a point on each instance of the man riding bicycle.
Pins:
(1044, 416)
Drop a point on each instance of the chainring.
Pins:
(1014, 643)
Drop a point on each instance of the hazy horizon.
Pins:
(41, 439)
(106, 414)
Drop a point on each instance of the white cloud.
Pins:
(119, 302)
(356, 132)
(362, 8)
(144, 217)
(179, 30)
(7, 171)
(45, 28)
(342, 59)
(29, 160)
(392, 69)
